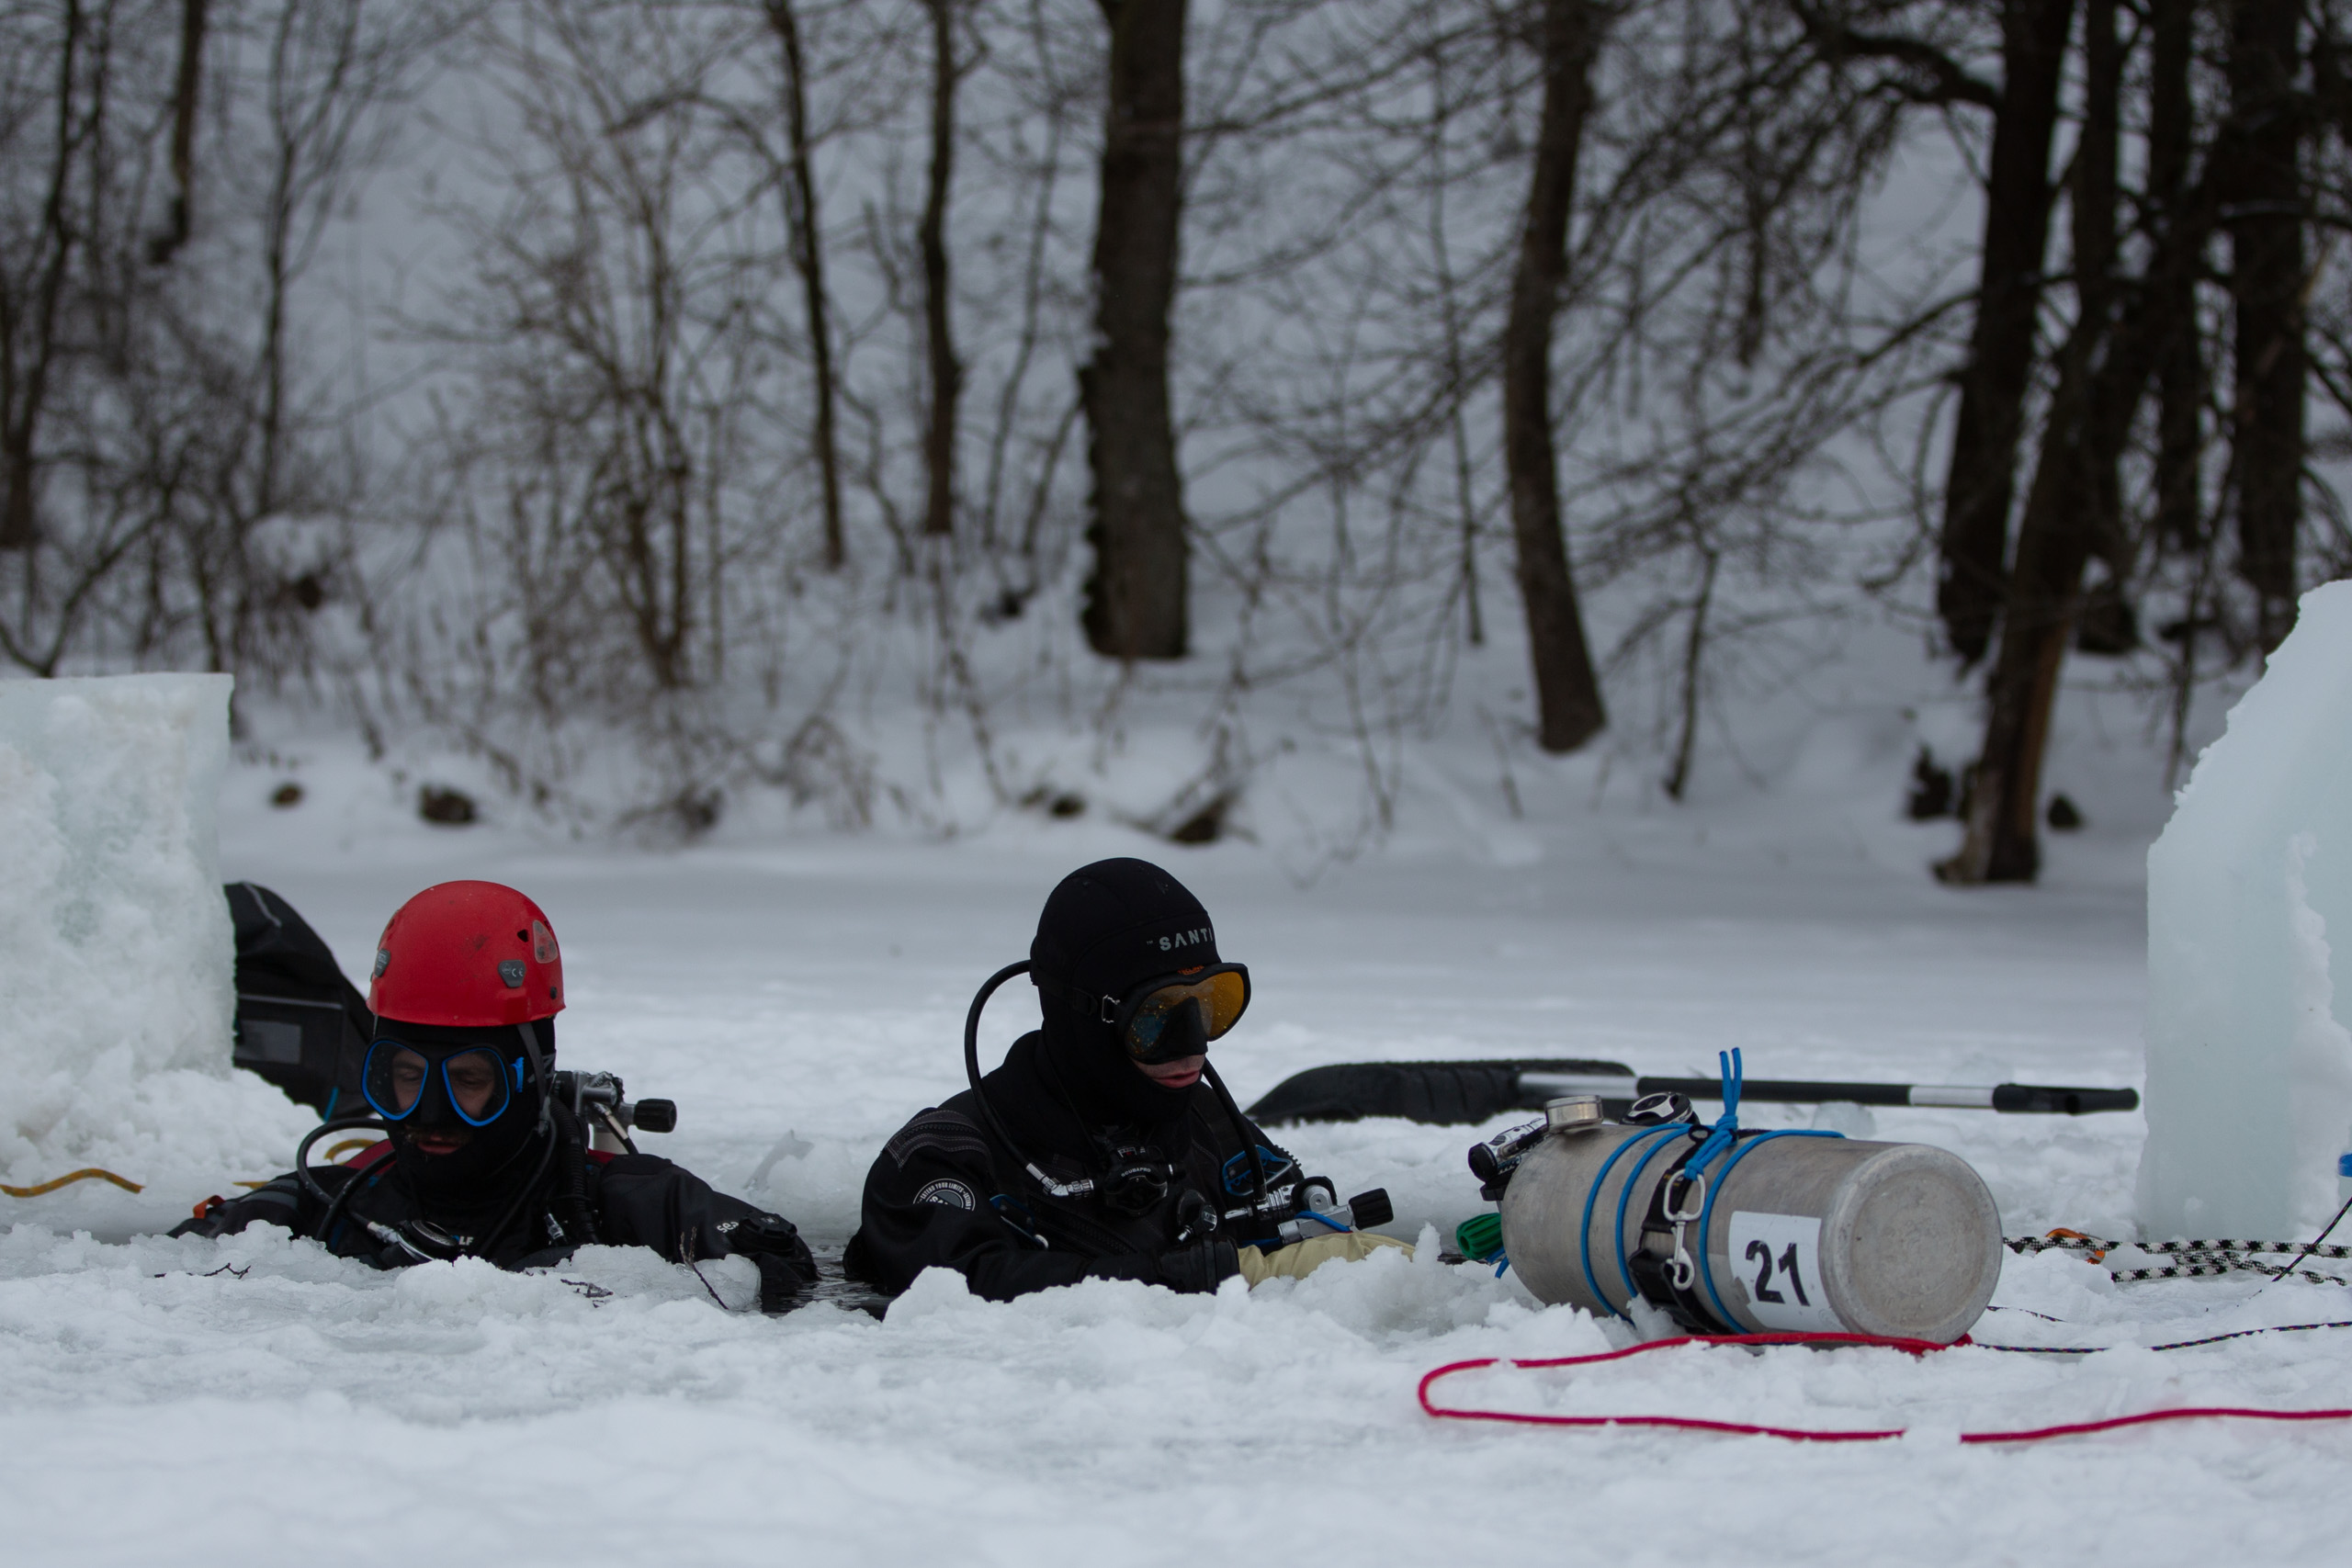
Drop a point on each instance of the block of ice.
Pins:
(2249, 1095)
(116, 952)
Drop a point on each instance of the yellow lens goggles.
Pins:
(1219, 992)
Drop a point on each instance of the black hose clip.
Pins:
(419, 1241)
(1196, 1217)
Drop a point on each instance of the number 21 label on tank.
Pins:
(1778, 1259)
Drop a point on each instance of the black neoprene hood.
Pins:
(1108, 926)
(1105, 928)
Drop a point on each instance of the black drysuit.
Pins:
(945, 1191)
(631, 1200)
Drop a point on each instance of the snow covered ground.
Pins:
(255, 1401)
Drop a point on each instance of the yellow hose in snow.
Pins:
(86, 1173)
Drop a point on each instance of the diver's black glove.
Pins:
(773, 1245)
(1200, 1267)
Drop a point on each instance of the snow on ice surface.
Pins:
(251, 1401)
(2249, 1059)
(115, 943)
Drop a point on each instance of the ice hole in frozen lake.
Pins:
(2250, 1096)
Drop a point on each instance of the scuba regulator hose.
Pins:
(1085, 1185)
(972, 1072)
(1240, 1131)
(330, 1202)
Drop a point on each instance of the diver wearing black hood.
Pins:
(1102, 1148)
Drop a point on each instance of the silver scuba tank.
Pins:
(1781, 1232)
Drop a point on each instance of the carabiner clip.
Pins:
(1681, 1270)
(1678, 1269)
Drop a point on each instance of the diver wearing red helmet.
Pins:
(481, 1159)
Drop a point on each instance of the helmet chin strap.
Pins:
(545, 1137)
(539, 1073)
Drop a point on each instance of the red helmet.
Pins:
(467, 954)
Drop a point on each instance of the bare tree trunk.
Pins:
(1567, 693)
(291, 124)
(2070, 506)
(2000, 358)
(184, 97)
(2172, 316)
(1694, 652)
(1136, 600)
(28, 305)
(808, 260)
(1457, 373)
(946, 375)
(1036, 278)
(2267, 285)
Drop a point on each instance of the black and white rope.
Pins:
(2230, 1266)
(2070, 1241)
(2174, 1345)
(2197, 1259)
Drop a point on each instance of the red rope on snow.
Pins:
(1807, 1434)
(2148, 1417)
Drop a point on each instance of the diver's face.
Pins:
(473, 1081)
(1181, 1073)
(473, 1085)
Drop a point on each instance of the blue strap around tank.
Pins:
(1718, 1138)
(1584, 1231)
(1723, 1139)
(1624, 1263)
(1707, 1210)
(1727, 1128)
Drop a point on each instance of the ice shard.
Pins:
(115, 943)
(2249, 1095)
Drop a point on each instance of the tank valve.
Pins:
(1572, 1113)
(1658, 1109)
(599, 1099)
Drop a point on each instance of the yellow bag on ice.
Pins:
(1301, 1259)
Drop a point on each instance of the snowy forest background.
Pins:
(909, 410)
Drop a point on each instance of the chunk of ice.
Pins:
(116, 952)
(2249, 1095)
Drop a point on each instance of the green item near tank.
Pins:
(1479, 1237)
